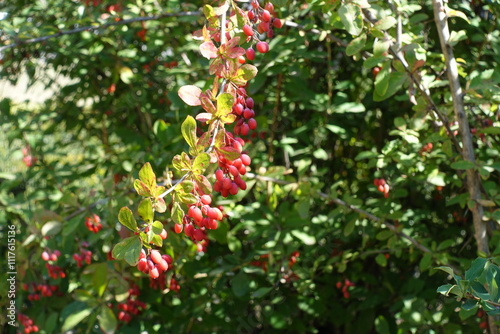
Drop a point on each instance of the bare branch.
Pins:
(20, 42)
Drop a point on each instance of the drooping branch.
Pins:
(20, 42)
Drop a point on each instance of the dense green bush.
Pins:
(312, 244)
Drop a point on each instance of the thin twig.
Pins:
(20, 42)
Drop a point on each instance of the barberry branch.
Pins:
(19, 42)
(362, 212)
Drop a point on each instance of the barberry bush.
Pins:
(251, 166)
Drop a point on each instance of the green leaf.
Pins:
(126, 74)
(157, 227)
(188, 129)
(225, 103)
(385, 23)
(382, 325)
(356, 45)
(200, 163)
(177, 213)
(445, 289)
(100, 278)
(142, 189)
(147, 175)
(425, 262)
(107, 320)
(479, 290)
(382, 79)
(129, 250)
(366, 155)
(126, 218)
(246, 72)
(240, 284)
(462, 164)
(145, 210)
(261, 292)
(349, 227)
(75, 318)
(436, 178)
(186, 198)
(476, 269)
(305, 238)
(351, 18)
(51, 228)
(381, 260)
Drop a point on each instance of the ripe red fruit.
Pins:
(262, 27)
(45, 256)
(155, 256)
(143, 254)
(250, 53)
(252, 123)
(277, 23)
(167, 258)
(238, 108)
(251, 15)
(244, 129)
(248, 113)
(265, 16)
(245, 159)
(195, 213)
(375, 71)
(142, 264)
(269, 6)
(163, 234)
(247, 30)
(241, 60)
(206, 199)
(154, 273)
(262, 47)
(163, 265)
(249, 102)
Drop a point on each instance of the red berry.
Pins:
(262, 47)
(247, 30)
(195, 213)
(45, 256)
(163, 265)
(142, 264)
(266, 16)
(250, 53)
(245, 159)
(167, 258)
(206, 199)
(252, 123)
(249, 102)
(163, 234)
(154, 273)
(155, 256)
(238, 108)
(244, 129)
(375, 71)
(277, 23)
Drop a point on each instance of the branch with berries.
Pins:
(214, 137)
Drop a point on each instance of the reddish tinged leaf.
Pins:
(207, 104)
(216, 67)
(203, 184)
(229, 152)
(204, 117)
(208, 50)
(235, 52)
(190, 95)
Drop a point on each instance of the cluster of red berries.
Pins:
(28, 159)
(262, 262)
(132, 306)
(51, 256)
(93, 223)
(293, 258)
(37, 290)
(228, 176)
(263, 17)
(55, 272)
(154, 263)
(174, 285)
(484, 319)
(84, 256)
(344, 286)
(426, 148)
(382, 186)
(27, 323)
(243, 109)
